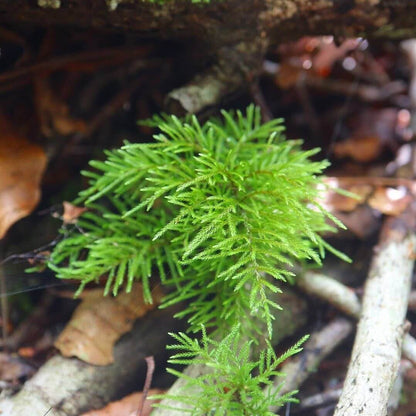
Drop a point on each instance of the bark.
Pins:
(234, 34)
(223, 22)
(343, 298)
(68, 386)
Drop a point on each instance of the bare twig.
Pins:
(150, 361)
(110, 56)
(324, 287)
(4, 306)
(204, 90)
(376, 353)
(320, 399)
(319, 346)
(344, 299)
(409, 47)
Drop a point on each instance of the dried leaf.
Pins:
(288, 74)
(127, 406)
(374, 196)
(53, 112)
(100, 321)
(71, 212)
(316, 55)
(361, 149)
(334, 201)
(21, 168)
(390, 201)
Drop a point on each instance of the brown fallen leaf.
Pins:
(373, 196)
(53, 112)
(127, 406)
(71, 212)
(21, 168)
(100, 321)
(390, 196)
(361, 149)
(390, 201)
(335, 201)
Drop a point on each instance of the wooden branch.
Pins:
(376, 353)
(223, 22)
(320, 345)
(235, 35)
(68, 386)
(343, 298)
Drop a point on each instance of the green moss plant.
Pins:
(218, 211)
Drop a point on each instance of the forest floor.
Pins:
(66, 96)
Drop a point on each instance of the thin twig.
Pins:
(344, 298)
(61, 61)
(258, 99)
(378, 343)
(319, 346)
(150, 361)
(321, 399)
(4, 306)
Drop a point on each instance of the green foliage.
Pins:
(220, 210)
(234, 384)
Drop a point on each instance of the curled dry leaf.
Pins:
(372, 132)
(127, 406)
(21, 168)
(100, 321)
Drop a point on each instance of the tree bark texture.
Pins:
(234, 35)
(376, 353)
(236, 30)
(223, 22)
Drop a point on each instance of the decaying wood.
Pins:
(223, 22)
(68, 386)
(377, 348)
(234, 34)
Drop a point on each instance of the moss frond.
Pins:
(220, 209)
